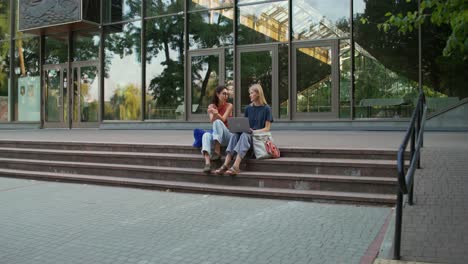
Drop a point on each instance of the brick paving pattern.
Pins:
(48, 223)
(435, 229)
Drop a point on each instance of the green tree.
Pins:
(451, 13)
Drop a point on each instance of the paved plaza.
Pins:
(49, 222)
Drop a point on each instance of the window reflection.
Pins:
(345, 78)
(27, 75)
(263, 23)
(386, 72)
(256, 67)
(314, 19)
(314, 79)
(85, 46)
(122, 83)
(165, 68)
(4, 20)
(56, 49)
(121, 10)
(211, 28)
(205, 72)
(4, 79)
(161, 7)
(207, 4)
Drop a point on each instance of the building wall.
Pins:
(159, 61)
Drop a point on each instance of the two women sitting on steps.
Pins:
(260, 119)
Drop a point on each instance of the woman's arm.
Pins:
(212, 112)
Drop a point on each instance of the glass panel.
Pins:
(65, 95)
(345, 79)
(85, 46)
(246, 1)
(122, 83)
(444, 77)
(211, 29)
(89, 94)
(162, 7)
(27, 75)
(324, 19)
(53, 97)
(386, 63)
(121, 10)
(165, 68)
(283, 58)
(92, 10)
(263, 23)
(4, 20)
(206, 4)
(4, 79)
(205, 78)
(76, 95)
(314, 79)
(256, 67)
(229, 72)
(56, 49)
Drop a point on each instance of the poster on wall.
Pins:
(29, 99)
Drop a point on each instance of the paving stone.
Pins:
(72, 223)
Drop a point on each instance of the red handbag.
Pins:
(272, 149)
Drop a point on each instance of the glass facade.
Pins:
(160, 60)
(386, 72)
(4, 79)
(25, 94)
(122, 71)
(165, 67)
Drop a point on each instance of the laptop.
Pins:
(238, 124)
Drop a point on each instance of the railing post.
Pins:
(418, 125)
(410, 193)
(398, 220)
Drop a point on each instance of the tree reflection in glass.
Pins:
(122, 83)
(4, 19)
(162, 7)
(205, 77)
(165, 68)
(211, 28)
(256, 67)
(121, 10)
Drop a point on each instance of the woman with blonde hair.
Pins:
(260, 119)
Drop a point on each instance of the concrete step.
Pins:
(286, 151)
(246, 178)
(309, 195)
(353, 167)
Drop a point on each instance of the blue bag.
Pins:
(198, 136)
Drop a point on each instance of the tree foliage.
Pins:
(453, 13)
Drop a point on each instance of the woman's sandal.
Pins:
(233, 171)
(221, 170)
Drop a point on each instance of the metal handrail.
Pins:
(415, 133)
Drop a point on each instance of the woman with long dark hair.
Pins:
(219, 110)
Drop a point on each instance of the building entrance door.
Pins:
(85, 97)
(80, 108)
(206, 71)
(55, 96)
(315, 82)
(257, 64)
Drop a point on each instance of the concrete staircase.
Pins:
(333, 175)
